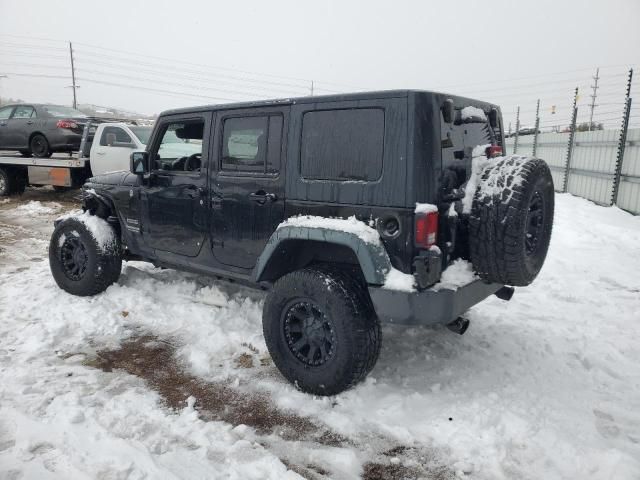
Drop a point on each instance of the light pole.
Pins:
(1, 77)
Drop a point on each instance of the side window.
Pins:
(5, 113)
(112, 136)
(180, 147)
(342, 145)
(252, 144)
(24, 111)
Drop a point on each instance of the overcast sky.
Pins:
(467, 47)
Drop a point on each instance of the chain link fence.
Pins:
(600, 165)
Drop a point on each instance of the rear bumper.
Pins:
(64, 140)
(429, 307)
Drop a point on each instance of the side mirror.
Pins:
(448, 111)
(139, 163)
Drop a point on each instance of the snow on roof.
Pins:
(472, 112)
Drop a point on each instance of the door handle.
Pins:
(3, 124)
(261, 197)
(29, 122)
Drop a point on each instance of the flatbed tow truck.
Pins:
(62, 171)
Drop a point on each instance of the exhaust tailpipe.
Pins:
(459, 325)
(505, 293)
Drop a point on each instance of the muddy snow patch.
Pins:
(35, 207)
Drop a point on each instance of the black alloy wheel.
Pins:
(74, 258)
(309, 333)
(39, 146)
(535, 223)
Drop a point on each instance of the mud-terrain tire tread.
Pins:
(361, 336)
(497, 225)
(104, 266)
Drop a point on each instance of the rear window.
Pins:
(342, 145)
(143, 133)
(59, 111)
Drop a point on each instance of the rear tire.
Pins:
(511, 220)
(79, 264)
(321, 330)
(6, 183)
(39, 146)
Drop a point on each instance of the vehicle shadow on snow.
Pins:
(154, 360)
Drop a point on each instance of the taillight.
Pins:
(426, 229)
(66, 124)
(494, 151)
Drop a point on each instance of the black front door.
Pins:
(175, 203)
(247, 188)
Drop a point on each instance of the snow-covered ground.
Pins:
(545, 386)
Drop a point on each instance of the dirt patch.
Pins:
(154, 360)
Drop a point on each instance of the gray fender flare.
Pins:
(374, 260)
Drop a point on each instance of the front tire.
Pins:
(321, 330)
(80, 264)
(39, 146)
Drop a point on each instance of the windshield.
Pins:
(143, 133)
(59, 111)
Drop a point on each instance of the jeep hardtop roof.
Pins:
(458, 100)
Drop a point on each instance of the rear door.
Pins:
(5, 113)
(248, 184)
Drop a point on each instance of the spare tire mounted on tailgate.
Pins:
(511, 220)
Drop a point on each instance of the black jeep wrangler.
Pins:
(348, 209)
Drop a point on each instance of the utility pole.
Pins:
(535, 135)
(593, 96)
(1, 77)
(515, 140)
(73, 76)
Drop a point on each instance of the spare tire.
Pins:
(511, 220)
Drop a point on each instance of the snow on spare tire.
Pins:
(84, 254)
(510, 201)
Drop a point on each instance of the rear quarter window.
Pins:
(342, 144)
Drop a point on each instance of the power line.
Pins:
(199, 76)
(175, 84)
(155, 90)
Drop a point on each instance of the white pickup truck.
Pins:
(105, 147)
